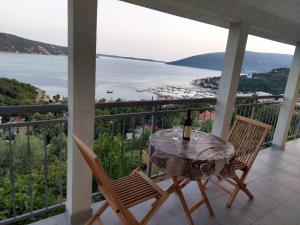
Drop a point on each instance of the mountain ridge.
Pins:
(253, 61)
(15, 44)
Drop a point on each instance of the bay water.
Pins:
(121, 76)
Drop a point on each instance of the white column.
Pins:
(289, 101)
(82, 24)
(234, 55)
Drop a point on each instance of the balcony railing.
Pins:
(33, 153)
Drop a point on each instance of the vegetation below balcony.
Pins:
(13, 92)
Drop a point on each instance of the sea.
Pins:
(121, 76)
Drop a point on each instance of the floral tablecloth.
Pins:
(203, 156)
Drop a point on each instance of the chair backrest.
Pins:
(94, 163)
(104, 182)
(247, 136)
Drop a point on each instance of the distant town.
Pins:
(202, 88)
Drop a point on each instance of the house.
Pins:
(165, 97)
(207, 115)
(42, 97)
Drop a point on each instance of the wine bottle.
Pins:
(187, 128)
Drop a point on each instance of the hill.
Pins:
(273, 82)
(13, 43)
(129, 58)
(253, 61)
(13, 92)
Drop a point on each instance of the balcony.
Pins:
(274, 180)
(34, 173)
(41, 171)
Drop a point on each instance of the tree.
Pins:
(56, 98)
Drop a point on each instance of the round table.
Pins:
(201, 157)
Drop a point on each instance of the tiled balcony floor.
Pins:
(274, 181)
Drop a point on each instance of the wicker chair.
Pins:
(247, 136)
(123, 193)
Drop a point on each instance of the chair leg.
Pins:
(205, 198)
(219, 178)
(183, 202)
(155, 207)
(240, 185)
(99, 221)
(185, 207)
(247, 192)
(243, 187)
(232, 197)
(205, 182)
(97, 214)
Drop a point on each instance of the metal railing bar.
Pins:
(46, 168)
(123, 138)
(297, 128)
(148, 113)
(142, 139)
(101, 141)
(31, 214)
(153, 124)
(275, 110)
(132, 144)
(12, 175)
(21, 109)
(249, 113)
(111, 147)
(268, 120)
(61, 144)
(259, 103)
(30, 169)
(32, 123)
(152, 103)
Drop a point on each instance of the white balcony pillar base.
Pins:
(234, 55)
(82, 25)
(288, 104)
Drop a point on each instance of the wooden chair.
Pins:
(247, 136)
(123, 193)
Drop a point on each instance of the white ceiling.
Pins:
(278, 20)
(286, 9)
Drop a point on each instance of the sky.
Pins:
(125, 29)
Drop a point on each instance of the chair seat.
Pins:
(238, 165)
(135, 189)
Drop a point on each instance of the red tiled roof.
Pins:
(206, 115)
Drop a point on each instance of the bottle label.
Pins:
(187, 131)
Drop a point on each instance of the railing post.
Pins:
(297, 128)
(289, 101)
(82, 29)
(234, 55)
(253, 108)
(153, 123)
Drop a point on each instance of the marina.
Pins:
(174, 92)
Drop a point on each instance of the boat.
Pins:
(109, 92)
